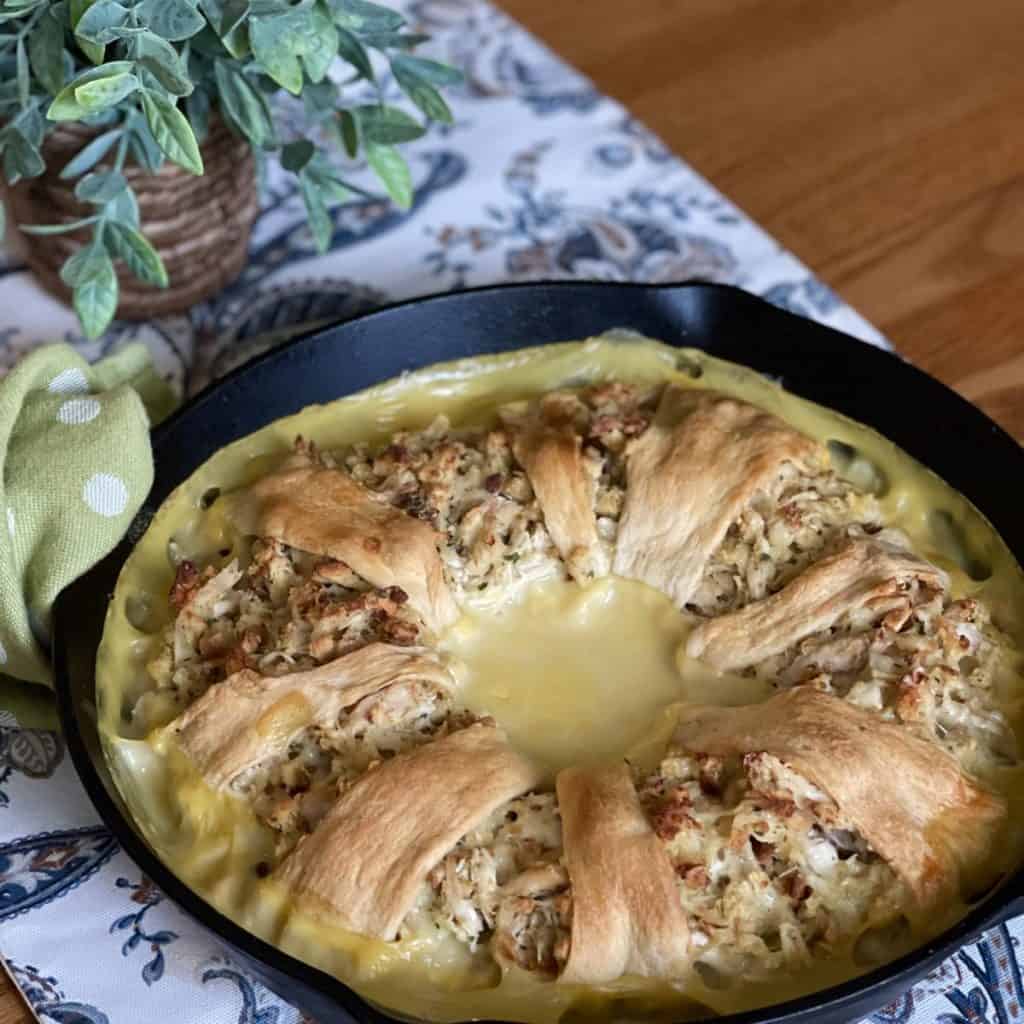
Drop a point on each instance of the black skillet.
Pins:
(925, 418)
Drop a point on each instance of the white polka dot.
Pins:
(10, 521)
(78, 410)
(68, 382)
(105, 494)
(3, 654)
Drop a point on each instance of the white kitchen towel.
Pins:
(539, 177)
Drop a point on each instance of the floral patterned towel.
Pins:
(539, 177)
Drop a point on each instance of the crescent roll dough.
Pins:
(907, 797)
(324, 511)
(627, 917)
(689, 475)
(249, 718)
(862, 571)
(363, 864)
(549, 447)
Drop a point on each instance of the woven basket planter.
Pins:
(199, 225)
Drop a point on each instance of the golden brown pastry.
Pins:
(689, 475)
(249, 719)
(626, 917)
(907, 797)
(324, 511)
(362, 866)
(549, 447)
(862, 571)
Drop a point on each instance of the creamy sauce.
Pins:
(576, 676)
(572, 675)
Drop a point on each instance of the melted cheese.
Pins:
(577, 676)
(572, 675)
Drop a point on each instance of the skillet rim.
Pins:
(850, 997)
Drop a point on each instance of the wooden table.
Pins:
(880, 140)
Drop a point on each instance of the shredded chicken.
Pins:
(467, 485)
(770, 875)
(782, 531)
(918, 658)
(470, 887)
(293, 795)
(286, 611)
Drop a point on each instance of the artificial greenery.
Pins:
(147, 74)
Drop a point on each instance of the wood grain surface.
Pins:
(880, 140)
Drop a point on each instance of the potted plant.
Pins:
(130, 131)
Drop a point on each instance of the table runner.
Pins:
(539, 177)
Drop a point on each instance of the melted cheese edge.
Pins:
(612, 671)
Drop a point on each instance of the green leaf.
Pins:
(123, 208)
(94, 90)
(295, 155)
(143, 146)
(393, 40)
(163, 62)
(99, 24)
(29, 124)
(275, 45)
(431, 71)
(46, 53)
(387, 125)
(82, 264)
(228, 19)
(421, 92)
(320, 99)
(95, 296)
(360, 16)
(316, 211)
(172, 132)
(236, 39)
(90, 154)
(349, 132)
(197, 110)
(102, 93)
(175, 20)
(280, 41)
(24, 78)
(393, 171)
(92, 50)
(332, 187)
(141, 258)
(321, 44)
(353, 51)
(21, 159)
(244, 105)
(100, 187)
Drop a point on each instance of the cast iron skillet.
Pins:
(932, 423)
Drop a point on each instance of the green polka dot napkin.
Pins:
(77, 464)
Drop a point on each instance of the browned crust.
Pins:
(907, 797)
(326, 512)
(689, 475)
(861, 572)
(550, 448)
(362, 866)
(627, 916)
(248, 718)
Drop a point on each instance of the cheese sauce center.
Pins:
(577, 676)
